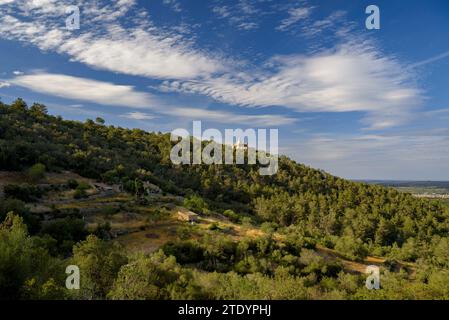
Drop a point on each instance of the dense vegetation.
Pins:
(298, 208)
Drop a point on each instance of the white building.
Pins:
(240, 145)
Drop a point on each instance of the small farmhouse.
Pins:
(186, 215)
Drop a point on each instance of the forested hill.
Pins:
(295, 234)
(318, 204)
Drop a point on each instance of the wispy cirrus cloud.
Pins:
(336, 21)
(294, 15)
(175, 5)
(303, 21)
(110, 94)
(243, 15)
(267, 120)
(352, 77)
(139, 49)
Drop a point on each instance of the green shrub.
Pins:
(351, 248)
(83, 186)
(247, 222)
(269, 227)
(72, 184)
(19, 208)
(184, 232)
(196, 204)
(36, 172)
(231, 215)
(103, 231)
(66, 232)
(24, 192)
(151, 278)
(214, 226)
(80, 194)
(99, 262)
(25, 269)
(109, 211)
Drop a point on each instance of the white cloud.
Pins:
(221, 11)
(243, 15)
(139, 116)
(4, 84)
(175, 5)
(138, 52)
(82, 89)
(140, 49)
(105, 93)
(317, 27)
(248, 25)
(295, 15)
(271, 120)
(352, 77)
(17, 73)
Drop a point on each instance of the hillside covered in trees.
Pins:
(298, 212)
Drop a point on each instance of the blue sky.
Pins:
(358, 103)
